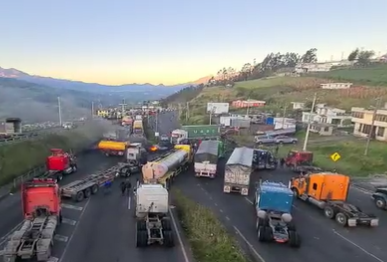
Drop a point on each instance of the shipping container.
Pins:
(202, 131)
(238, 171)
(240, 122)
(206, 159)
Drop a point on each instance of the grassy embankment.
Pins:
(281, 91)
(18, 158)
(209, 240)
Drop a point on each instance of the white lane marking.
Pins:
(356, 245)
(249, 244)
(69, 221)
(61, 238)
(129, 200)
(215, 204)
(78, 208)
(221, 211)
(227, 218)
(186, 259)
(75, 230)
(248, 200)
(53, 259)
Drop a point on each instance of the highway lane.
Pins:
(323, 240)
(107, 233)
(11, 213)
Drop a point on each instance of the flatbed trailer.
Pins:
(84, 188)
(32, 241)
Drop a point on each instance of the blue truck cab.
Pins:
(273, 204)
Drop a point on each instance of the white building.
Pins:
(298, 105)
(326, 115)
(335, 86)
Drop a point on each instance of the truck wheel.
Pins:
(329, 212)
(141, 225)
(268, 233)
(168, 238)
(166, 224)
(79, 196)
(294, 239)
(94, 189)
(141, 238)
(380, 203)
(261, 234)
(59, 177)
(296, 194)
(87, 192)
(74, 168)
(342, 219)
(60, 218)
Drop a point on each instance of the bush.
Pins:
(209, 239)
(18, 158)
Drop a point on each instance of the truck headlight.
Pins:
(374, 222)
(352, 222)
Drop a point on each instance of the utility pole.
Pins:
(283, 116)
(370, 133)
(309, 123)
(123, 107)
(157, 122)
(92, 109)
(187, 112)
(211, 111)
(59, 111)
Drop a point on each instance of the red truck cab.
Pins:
(41, 197)
(295, 158)
(61, 161)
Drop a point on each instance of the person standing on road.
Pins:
(123, 187)
(128, 186)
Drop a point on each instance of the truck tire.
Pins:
(141, 238)
(296, 194)
(342, 219)
(94, 189)
(59, 177)
(261, 234)
(329, 212)
(141, 225)
(74, 168)
(166, 224)
(168, 238)
(79, 196)
(87, 192)
(380, 203)
(294, 239)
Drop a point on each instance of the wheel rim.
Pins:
(380, 203)
(328, 212)
(340, 219)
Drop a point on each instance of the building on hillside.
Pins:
(335, 86)
(362, 118)
(298, 105)
(313, 67)
(327, 115)
(322, 129)
(247, 103)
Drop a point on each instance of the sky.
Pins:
(170, 41)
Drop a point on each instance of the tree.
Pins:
(310, 56)
(353, 55)
(364, 57)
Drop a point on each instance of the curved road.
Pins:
(323, 239)
(101, 228)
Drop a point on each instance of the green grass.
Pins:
(373, 75)
(18, 158)
(208, 238)
(352, 162)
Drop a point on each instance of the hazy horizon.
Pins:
(173, 42)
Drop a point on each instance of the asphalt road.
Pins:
(101, 228)
(322, 239)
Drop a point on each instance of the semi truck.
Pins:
(273, 205)
(206, 158)
(83, 188)
(195, 132)
(135, 157)
(238, 171)
(41, 205)
(138, 127)
(152, 213)
(112, 148)
(380, 197)
(329, 192)
(264, 160)
(59, 164)
(164, 169)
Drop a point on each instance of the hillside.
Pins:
(281, 91)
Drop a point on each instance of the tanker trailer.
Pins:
(164, 169)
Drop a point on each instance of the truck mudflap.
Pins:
(370, 221)
(243, 190)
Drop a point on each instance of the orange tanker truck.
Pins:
(112, 148)
(329, 192)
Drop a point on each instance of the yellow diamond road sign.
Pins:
(335, 157)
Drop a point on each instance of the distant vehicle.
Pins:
(264, 139)
(380, 198)
(285, 140)
(68, 126)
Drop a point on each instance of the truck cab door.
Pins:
(313, 189)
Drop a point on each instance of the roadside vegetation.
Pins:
(208, 238)
(17, 159)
